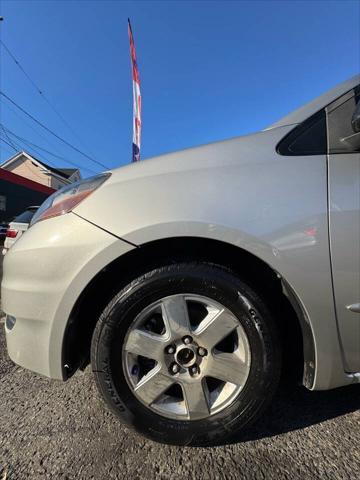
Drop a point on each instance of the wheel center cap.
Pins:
(185, 356)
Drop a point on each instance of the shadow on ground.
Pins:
(295, 408)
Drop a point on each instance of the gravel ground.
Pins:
(57, 430)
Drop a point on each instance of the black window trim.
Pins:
(282, 147)
(355, 92)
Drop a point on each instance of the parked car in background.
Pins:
(17, 227)
(192, 280)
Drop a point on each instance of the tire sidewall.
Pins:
(218, 284)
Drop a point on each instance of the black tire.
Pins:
(216, 283)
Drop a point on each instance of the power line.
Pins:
(7, 143)
(22, 139)
(5, 148)
(50, 131)
(21, 68)
(38, 89)
(19, 147)
(36, 148)
(31, 126)
(28, 168)
(7, 136)
(29, 148)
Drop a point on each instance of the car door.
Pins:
(344, 221)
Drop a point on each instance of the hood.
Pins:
(238, 150)
(242, 149)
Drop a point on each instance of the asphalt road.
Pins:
(50, 429)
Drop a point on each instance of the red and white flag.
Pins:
(136, 99)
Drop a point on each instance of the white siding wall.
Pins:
(26, 168)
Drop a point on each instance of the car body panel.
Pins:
(272, 206)
(344, 220)
(57, 258)
(344, 195)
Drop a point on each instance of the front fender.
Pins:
(302, 269)
(243, 193)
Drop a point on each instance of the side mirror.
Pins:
(355, 120)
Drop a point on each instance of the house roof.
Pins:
(65, 173)
(68, 171)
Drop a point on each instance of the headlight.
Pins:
(67, 198)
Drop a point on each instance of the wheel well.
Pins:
(98, 293)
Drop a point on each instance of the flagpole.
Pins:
(136, 143)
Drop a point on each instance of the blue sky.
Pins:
(209, 70)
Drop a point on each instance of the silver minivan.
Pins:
(192, 281)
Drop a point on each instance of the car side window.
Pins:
(309, 138)
(340, 123)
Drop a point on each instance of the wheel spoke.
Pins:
(195, 399)
(152, 385)
(217, 377)
(228, 367)
(145, 344)
(175, 315)
(216, 327)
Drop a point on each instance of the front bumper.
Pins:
(44, 274)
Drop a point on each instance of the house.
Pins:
(28, 166)
(17, 193)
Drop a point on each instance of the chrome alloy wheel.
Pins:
(186, 357)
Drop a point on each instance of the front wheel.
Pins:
(186, 354)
